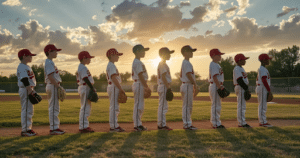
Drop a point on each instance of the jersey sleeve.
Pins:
(187, 67)
(112, 70)
(138, 68)
(22, 73)
(84, 73)
(163, 69)
(214, 70)
(263, 73)
(237, 73)
(49, 68)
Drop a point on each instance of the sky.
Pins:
(250, 27)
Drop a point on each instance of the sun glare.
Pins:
(155, 61)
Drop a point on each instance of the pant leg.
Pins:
(215, 106)
(187, 104)
(27, 110)
(85, 109)
(262, 104)
(241, 105)
(138, 109)
(162, 107)
(54, 107)
(113, 93)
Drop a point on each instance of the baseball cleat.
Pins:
(190, 128)
(265, 125)
(118, 129)
(245, 126)
(140, 128)
(221, 126)
(57, 132)
(28, 133)
(86, 130)
(164, 128)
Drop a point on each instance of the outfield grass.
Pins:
(234, 142)
(10, 111)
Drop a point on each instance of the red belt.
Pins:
(258, 84)
(187, 82)
(236, 84)
(84, 84)
(213, 83)
(109, 83)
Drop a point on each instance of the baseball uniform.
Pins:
(187, 91)
(262, 94)
(138, 91)
(215, 70)
(24, 71)
(239, 72)
(51, 91)
(83, 90)
(113, 94)
(162, 90)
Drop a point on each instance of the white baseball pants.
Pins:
(163, 106)
(187, 91)
(85, 109)
(138, 109)
(215, 105)
(262, 93)
(54, 107)
(27, 110)
(241, 105)
(114, 109)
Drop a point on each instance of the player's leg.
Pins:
(161, 104)
(141, 104)
(136, 91)
(165, 108)
(110, 91)
(183, 90)
(239, 105)
(190, 94)
(116, 106)
(260, 99)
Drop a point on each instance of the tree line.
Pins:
(285, 63)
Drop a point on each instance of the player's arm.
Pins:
(27, 85)
(215, 78)
(52, 80)
(265, 82)
(241, 82)
(189, 76)
(142, 80)
(87, 81)
(164, 79)
(116, 82)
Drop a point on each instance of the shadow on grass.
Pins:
(246, 147)
(128, 146)
(162, 144)
(196, 145)
(7, 140)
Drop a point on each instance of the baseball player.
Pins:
(140, 77)
(164, 81)
(26, 83)
(216, 79)
(52, 80)
(263, 83)
(85, 82)
(188, 88)
(240, 81)
(113, 89)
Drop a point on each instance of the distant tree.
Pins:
(13, 78)
(4, 79)
(102, 77)
(125, 76)
(227, 66)
(38, 71)
(297, 70)
(252, 75)
(197, 76)
(67, 76)
(153, 78)
(95, 78)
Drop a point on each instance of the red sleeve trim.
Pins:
(215, 75)
(264, 80)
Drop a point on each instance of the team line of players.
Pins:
(188, 89)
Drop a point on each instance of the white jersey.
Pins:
(49, 69)
(185, 68)
(215, 69)
(239, 72)
(24, 71)
(111, 69)
(161, 69)
(82, 73)
(262, 71)
(138, 67)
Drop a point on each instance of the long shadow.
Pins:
(196, 144)
(162, 144)
(58, 146)
(17, 149)
(127, 147)
(286, 133)
(247, 148)
(9, 140)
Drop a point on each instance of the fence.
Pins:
(278, 85)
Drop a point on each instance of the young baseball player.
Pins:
(216, 79)
(240, 81)
(26, 83)
(52, 80)
(140, 77)
(164, 81)
(263, 83)
(188, 88)
(113, 89)
(85, 82)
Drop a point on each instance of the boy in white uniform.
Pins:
(164, 81)
(188, 88)
(263, 83)
(140, 77)
(113, 89)
(85, 82)
(216, 79)
(240, 81)
(26, 83)
(52, 80)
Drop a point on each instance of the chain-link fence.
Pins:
(278, 85)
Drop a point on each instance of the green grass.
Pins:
(234, 142)
(10, 111)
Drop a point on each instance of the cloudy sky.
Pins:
(233, 26)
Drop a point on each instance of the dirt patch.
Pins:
(104, 127)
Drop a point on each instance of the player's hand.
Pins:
(196, 91)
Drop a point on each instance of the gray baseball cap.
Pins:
(138, 48)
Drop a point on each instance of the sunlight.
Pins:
(155, 61)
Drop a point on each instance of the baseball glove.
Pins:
(147, 93)
(93, 96)
(34, 98)
(122, 97)
(269, 97)
(61, 93)
(223, 93)
(247, 95)
(169, 95)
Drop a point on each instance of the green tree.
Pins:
(125, 76)
(38, 71)
(13, 78)
(102, 77)
(153, 78)
(252, 75)
(67, 76)
(227, 66)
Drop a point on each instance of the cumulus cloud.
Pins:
(185, 3)
(286, 10)
(208, 32)
(12, 3)
(243, 4)
(219, 23)
(94, 17)
(32, 12)
(214, 12)
(230, 11)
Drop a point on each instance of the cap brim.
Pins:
(92, 57)
(222, 53)
(146, 49)
(58, 49)
(32, 54)
(120, 54)
(172, 51)
(193, 50)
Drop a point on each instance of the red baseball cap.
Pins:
(25, 52)
(239, 57)
(214, 52)
(50, 47)
(264, 57)
(113, 51)
(84, 54)
(165, 50)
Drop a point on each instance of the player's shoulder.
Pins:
(81, 67)
(49, 62)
